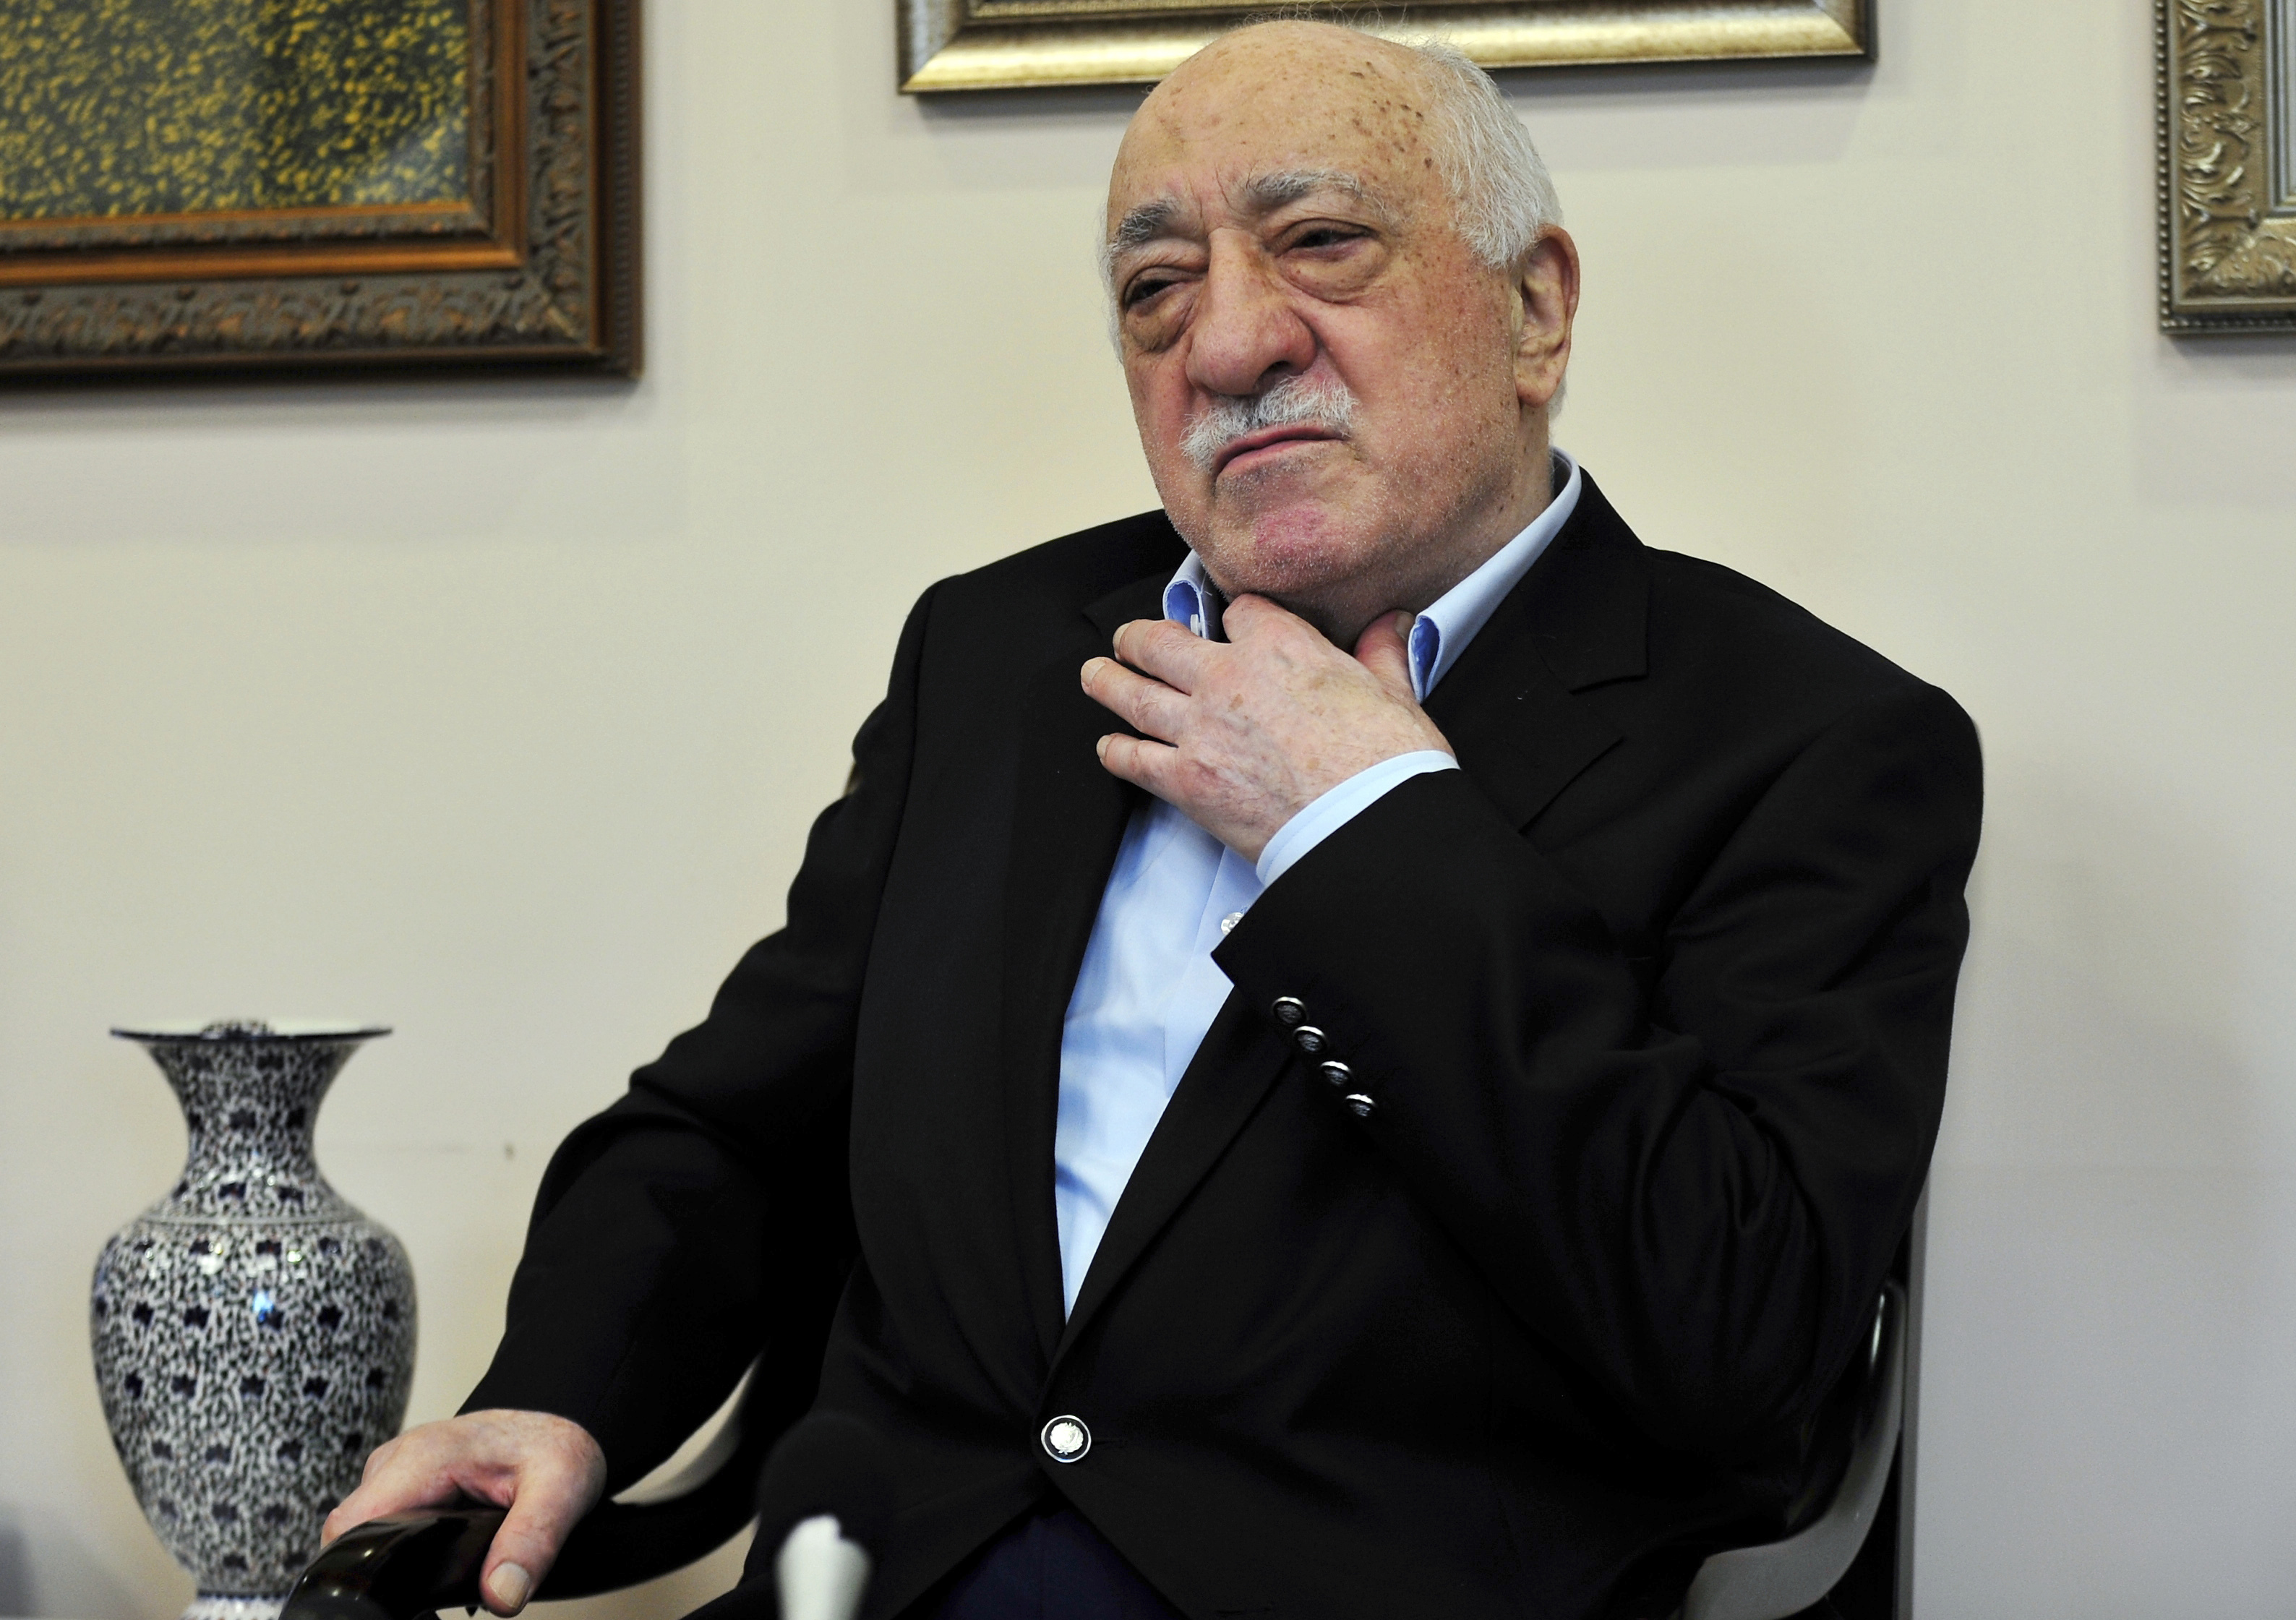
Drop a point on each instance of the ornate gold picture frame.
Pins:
(203, 184)
(1007, 44)
(2228, 165)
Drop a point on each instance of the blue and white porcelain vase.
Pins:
(254, 1333)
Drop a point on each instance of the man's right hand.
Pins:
(547, 1471)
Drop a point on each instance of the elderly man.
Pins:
(1409, 1118)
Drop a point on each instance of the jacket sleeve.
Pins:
(1689, 1181)
(704, 1218)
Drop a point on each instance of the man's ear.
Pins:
(1546, 302)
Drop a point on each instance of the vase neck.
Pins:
(250, 1107)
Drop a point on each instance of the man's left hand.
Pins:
(1243, 735)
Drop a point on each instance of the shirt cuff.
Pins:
(1342, 805)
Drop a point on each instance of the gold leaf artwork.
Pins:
(120, 109)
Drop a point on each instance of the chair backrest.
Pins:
(395, 1569)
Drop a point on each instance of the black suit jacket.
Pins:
(1652, 999)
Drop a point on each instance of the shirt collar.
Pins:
(1449, 623)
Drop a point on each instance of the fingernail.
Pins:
(1100, 749)
(510, 1584)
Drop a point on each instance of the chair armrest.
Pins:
(1781, 1579)
(404, 1567)
(396, 1569)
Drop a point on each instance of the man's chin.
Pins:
(1300, 547)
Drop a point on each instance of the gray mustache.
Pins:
(1300, 401)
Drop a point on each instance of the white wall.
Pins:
(498, 710)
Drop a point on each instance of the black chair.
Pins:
(1849, 1557)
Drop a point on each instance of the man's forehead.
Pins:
(1180, 210)
(1239, 127)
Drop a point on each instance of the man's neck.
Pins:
(1426, 573)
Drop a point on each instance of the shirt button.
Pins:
(1288, 1011)
(1230, 920)
(1339, 1074)
(1067, 1439)
(1361, 1107)
(1309, 1039)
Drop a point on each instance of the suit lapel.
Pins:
(1578, 619)
(1230, 1074)
(1068, 817)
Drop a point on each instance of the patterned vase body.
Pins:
(254, 1333)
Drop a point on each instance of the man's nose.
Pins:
(1246, 333)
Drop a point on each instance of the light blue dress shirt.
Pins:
(1149, 989)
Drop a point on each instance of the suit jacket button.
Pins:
(1339, 1074)
(1309, 1039)
(1288, 1011)
(1067, 1439)
(1361, 1105)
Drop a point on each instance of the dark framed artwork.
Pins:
(2227, 113)
(242, 184)
(1008, 44)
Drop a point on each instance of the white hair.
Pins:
(1505, 196)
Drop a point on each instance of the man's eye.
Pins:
(1325, 236)
(1140, 291)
